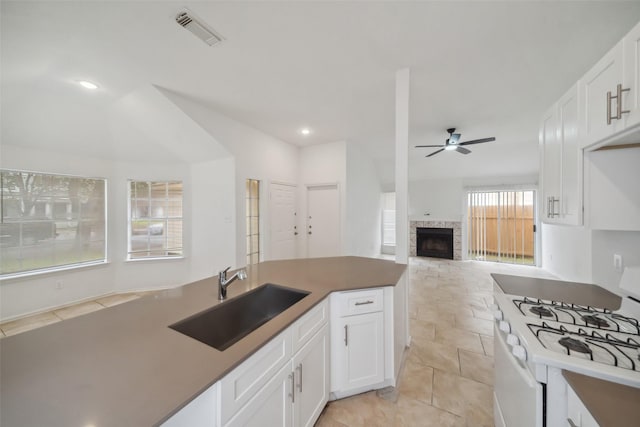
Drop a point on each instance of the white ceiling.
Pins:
(487, 68)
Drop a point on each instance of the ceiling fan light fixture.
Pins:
(450, 147)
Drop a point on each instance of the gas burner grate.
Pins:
(574, 314)
(598, 346)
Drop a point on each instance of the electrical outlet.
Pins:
(59, 284)
(617, 262)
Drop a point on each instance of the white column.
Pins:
(402, 165)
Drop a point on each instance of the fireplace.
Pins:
(434, 242)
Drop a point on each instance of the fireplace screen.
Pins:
(434, 242)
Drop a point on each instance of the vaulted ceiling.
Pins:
(487, 68)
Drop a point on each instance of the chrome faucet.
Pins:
(223, 282)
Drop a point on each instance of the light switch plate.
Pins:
(617, 262)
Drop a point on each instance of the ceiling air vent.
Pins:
(191, 22)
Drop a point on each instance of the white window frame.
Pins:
(165, 220)
(51, 199)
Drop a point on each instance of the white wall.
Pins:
(605, 245)
(213, 246)
(566, 252)
(149, 138)
(441, 199)
(257, 156)
(363, 236)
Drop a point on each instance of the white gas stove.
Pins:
(536, 339)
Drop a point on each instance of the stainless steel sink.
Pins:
(225, 324)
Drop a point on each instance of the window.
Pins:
(253, 221)
(50, 222)
(155, 219)
(388, 223)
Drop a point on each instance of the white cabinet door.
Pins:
(311, 368)
(631, 99)
(577, 412)
(358, 351)
(271, 406)
(550, 160)
(238, 386)
(571, 159)
(604, 77)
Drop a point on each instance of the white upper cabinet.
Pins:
(550, 163)
(571, 164)
(631, 76)
(610, 93)
(561, 162)
(599, 88)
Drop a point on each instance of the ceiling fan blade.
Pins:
(462, 150)
(477, 141)
(454, 138)
(430, 146)
(435, 152)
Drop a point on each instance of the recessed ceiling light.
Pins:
(305, 131)
(87, 85)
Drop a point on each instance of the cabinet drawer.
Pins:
(239, 386)
(359, 302)
(309, 324)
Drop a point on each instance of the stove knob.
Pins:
(512, 340)
(505, 326)
(498, 314)
(519, 352)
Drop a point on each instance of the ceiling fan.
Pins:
(452, 143)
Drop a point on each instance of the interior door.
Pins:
(323, 221)
(282, 208)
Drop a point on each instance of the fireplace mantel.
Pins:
(457, 235)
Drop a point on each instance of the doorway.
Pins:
(282, 212)
(323, 221)
(501, 226)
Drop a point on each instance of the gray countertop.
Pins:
(123, 366)
(611, 404)
(558, 290)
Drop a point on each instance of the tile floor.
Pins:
(447, 378)
(42, 319)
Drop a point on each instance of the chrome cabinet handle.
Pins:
(551, 207)
(609, 97)
(346, 336)
(364, 302)
(293, 387)
(571, 423)
(300, 383)
(619, 91)
(618, 98)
